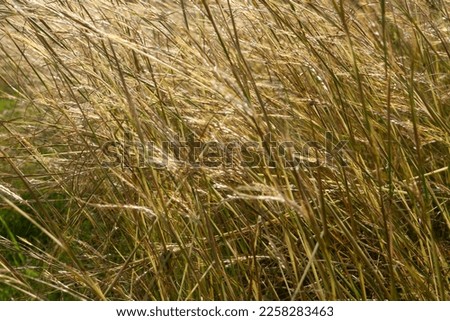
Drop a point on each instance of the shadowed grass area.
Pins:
(225, 150)
(6, 104)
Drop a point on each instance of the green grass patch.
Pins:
(7, 104)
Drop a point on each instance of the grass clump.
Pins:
(226, 150)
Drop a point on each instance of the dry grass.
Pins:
(86, 214)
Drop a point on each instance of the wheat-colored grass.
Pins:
(94, 206)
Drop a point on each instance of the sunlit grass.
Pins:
(353, 205)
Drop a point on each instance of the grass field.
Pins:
(224, 150)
